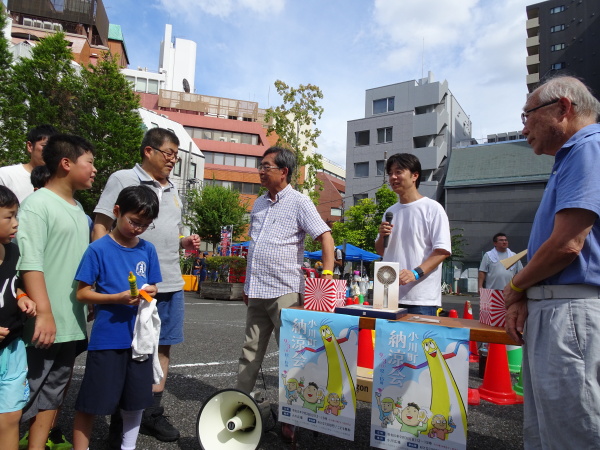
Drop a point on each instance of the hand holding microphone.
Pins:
(386, 228)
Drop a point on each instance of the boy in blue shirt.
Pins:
(113, 379)
(14, 303)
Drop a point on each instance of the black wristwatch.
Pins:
(419, 271)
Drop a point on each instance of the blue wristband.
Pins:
(416, 274)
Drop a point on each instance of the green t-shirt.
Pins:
(53, 236)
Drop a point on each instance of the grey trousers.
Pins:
(561, 374)
(263, 316)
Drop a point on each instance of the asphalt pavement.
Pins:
(207, 362)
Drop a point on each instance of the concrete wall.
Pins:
(483, 211)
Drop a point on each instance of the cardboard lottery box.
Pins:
(491, 307)
(321, 294)
(385, 285)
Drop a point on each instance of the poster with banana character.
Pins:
(420, 383)
(317, 371)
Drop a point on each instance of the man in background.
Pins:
(492, 274)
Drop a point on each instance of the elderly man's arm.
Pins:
(571, 227)
(327, 247)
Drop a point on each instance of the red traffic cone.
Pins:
(453, 313)
(497, 384)
(366, 350)
(474, 397)
(473, 352)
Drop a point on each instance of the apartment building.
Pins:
(562, 37)
(84, 23)
(421, 117)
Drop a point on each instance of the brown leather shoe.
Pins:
(288, 432)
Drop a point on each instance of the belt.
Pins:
(563, 291)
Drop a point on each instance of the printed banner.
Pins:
(225, 244)
(420, 386)
(317, 371)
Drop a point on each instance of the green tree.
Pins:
(361, 222)
(6, 92)
(213, 207)
(108, 118)
(293, 122)
(95, 102)
(46, 88)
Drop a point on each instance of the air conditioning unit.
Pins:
(234, 140)
(27, 22)
(57, 27)
(47, 25)
(37, 23)
(223, 139)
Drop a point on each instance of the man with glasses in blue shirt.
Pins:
(553, 304)
(159, 152)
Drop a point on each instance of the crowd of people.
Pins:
(56, 277)
(131, 287)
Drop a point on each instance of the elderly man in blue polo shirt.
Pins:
(279, 222)
(553, 304)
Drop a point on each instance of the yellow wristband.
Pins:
(515, 288)
(327, 272)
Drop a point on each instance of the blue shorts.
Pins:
(113, 380)
(14, 388)
(170, 306)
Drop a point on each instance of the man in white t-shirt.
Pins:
(419, 238)
(18, 176)
(492, 274)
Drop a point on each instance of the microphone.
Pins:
(388, 218)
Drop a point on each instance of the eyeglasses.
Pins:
(525, 114)
(168, 155)
(139, 226)
(265, 168)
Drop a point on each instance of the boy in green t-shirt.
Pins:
(53, 235)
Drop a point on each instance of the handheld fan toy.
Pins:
(386, 275)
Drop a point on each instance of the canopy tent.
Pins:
(242, 244)
(353, 253)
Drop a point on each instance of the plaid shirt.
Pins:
(277, 231)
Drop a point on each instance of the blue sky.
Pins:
(344, 47)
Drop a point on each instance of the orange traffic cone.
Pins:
(366, 350)
(473, 352)
(497, 384)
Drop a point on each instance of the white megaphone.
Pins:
(230, 419)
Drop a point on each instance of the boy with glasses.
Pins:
(159, 152)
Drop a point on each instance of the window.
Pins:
(557, 9)
(177, 169)
(558, 66)
(361, 170)
(380, 168)
(219, 158)
(358, 197)
(384, 135)
(140, 84)
(362, 138)
(557, 47)
(192, 170)
(208, 157)
(383, 105)
(336, 212)
(557, 28)
(229, 160)
(152, 86)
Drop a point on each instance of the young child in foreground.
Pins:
(14, 304)
(113, 379)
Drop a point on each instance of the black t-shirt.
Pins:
(11, 316)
